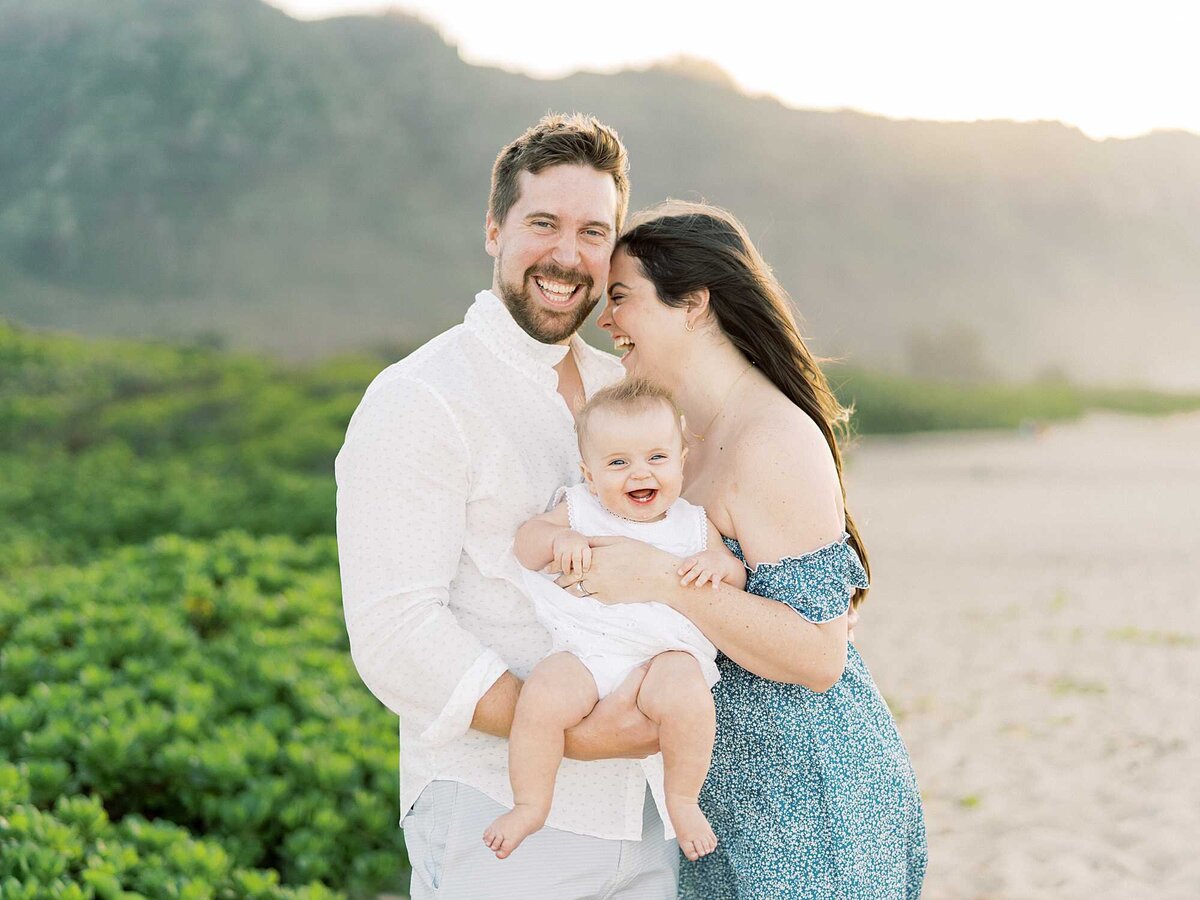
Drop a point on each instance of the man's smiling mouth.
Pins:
(556, 293)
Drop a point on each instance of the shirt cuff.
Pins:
(455, 718)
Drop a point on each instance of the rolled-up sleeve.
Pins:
(403, 482)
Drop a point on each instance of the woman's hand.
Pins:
(615, 728)
(626, 571)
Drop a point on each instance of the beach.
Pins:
(1033, 625)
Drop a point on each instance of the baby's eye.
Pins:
(658, 456)
(617, 462)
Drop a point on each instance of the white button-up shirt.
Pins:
(450, 450)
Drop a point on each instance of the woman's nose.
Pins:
(606, 320)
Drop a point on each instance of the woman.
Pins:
(810, 792)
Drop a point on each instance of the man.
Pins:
(449, 451)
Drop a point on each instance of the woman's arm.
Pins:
(761, 635)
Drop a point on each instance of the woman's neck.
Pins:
(707, 384)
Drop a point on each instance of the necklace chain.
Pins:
(720, 409)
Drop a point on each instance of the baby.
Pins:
(631, 443)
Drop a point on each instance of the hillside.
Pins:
(222, 170)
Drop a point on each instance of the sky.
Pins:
(1112, 69)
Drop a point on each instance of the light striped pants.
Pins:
(444, 836)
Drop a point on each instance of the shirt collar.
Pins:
(490, 319)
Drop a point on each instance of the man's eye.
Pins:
(543, 223)
(595, 233)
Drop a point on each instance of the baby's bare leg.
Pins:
(558, 694)
(675, 696)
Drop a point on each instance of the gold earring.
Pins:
(688, 326)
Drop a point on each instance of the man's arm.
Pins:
(403, 479)
(495, 709)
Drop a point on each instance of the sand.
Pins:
(1034, 627)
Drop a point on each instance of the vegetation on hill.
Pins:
(174, 168)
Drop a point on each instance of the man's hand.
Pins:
(616, 728)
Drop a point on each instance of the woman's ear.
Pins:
(697, 307)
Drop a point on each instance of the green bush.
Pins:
(74, 850)
(208, 685)
(888, 405)
(61, 507)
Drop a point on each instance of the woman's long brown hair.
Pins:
(684, 247)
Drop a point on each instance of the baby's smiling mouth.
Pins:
(642, 496)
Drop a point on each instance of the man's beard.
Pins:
(547, 325)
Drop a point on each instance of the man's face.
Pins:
(552, 250)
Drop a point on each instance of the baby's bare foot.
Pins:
(505, 834)
(695, 835)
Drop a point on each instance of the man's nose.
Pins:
(566, 249)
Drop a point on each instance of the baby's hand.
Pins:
(713, 566)
(572, 555)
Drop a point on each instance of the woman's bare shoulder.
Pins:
(788, 498)
(780, 433)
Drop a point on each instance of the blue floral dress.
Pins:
(811, 795)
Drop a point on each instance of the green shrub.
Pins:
(889, 405)
(208, 685)
(73, 850)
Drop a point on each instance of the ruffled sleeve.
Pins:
(818, 585)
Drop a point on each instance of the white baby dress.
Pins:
(613, 640)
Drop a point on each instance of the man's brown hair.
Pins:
(627, 395)
(558, 139)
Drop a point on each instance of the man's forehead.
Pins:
(568, 190)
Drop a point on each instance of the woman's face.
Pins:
(648, 333)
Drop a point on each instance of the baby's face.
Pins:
(633, 461)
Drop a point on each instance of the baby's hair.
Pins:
(628, 395)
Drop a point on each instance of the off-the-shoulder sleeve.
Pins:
(818, 585)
